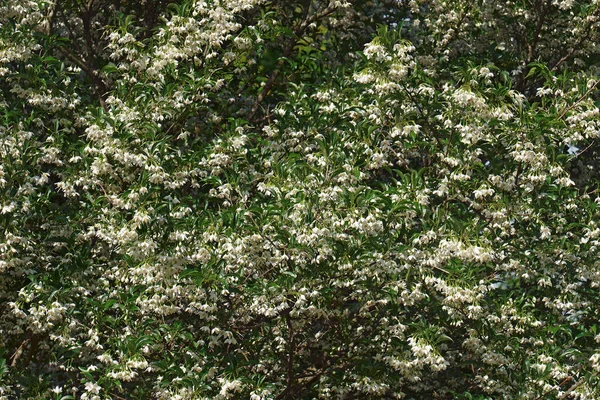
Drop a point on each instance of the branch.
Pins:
(34, 341)
(538, 29)
(86, 19)
(567, 379)
(582, 151)
(586, 36)
(579, 100)
(308, 379)
(532, 46)
(100, 88)
(298, 32)
(292, 352)
(290, 361)
(575, 386)
(71, 54)
(14, 359)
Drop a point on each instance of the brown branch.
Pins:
(298, 32)
(33, 340)
(14, 359)
(582, 151)
(308, 379)
(100, 88)
(588, 33)
(292, 352)
(575, 386)
(567, 379)
(291, 379)
(579, 100)
(542, 10)
(532, 46)
(571, 52)
(86, 19)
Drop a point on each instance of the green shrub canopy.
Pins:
(264, 199)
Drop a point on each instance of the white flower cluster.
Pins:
(225, 222)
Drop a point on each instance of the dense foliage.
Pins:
(264, 199)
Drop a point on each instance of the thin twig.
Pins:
(19, 352)
(582, 151)
(567, 379)
(579, 100)
(575, 386)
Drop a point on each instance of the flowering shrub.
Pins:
(247, 199)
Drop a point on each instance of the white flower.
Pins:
(228, 388)
(595, 360)
(545, 232)
(377, 52)
(92, 387)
